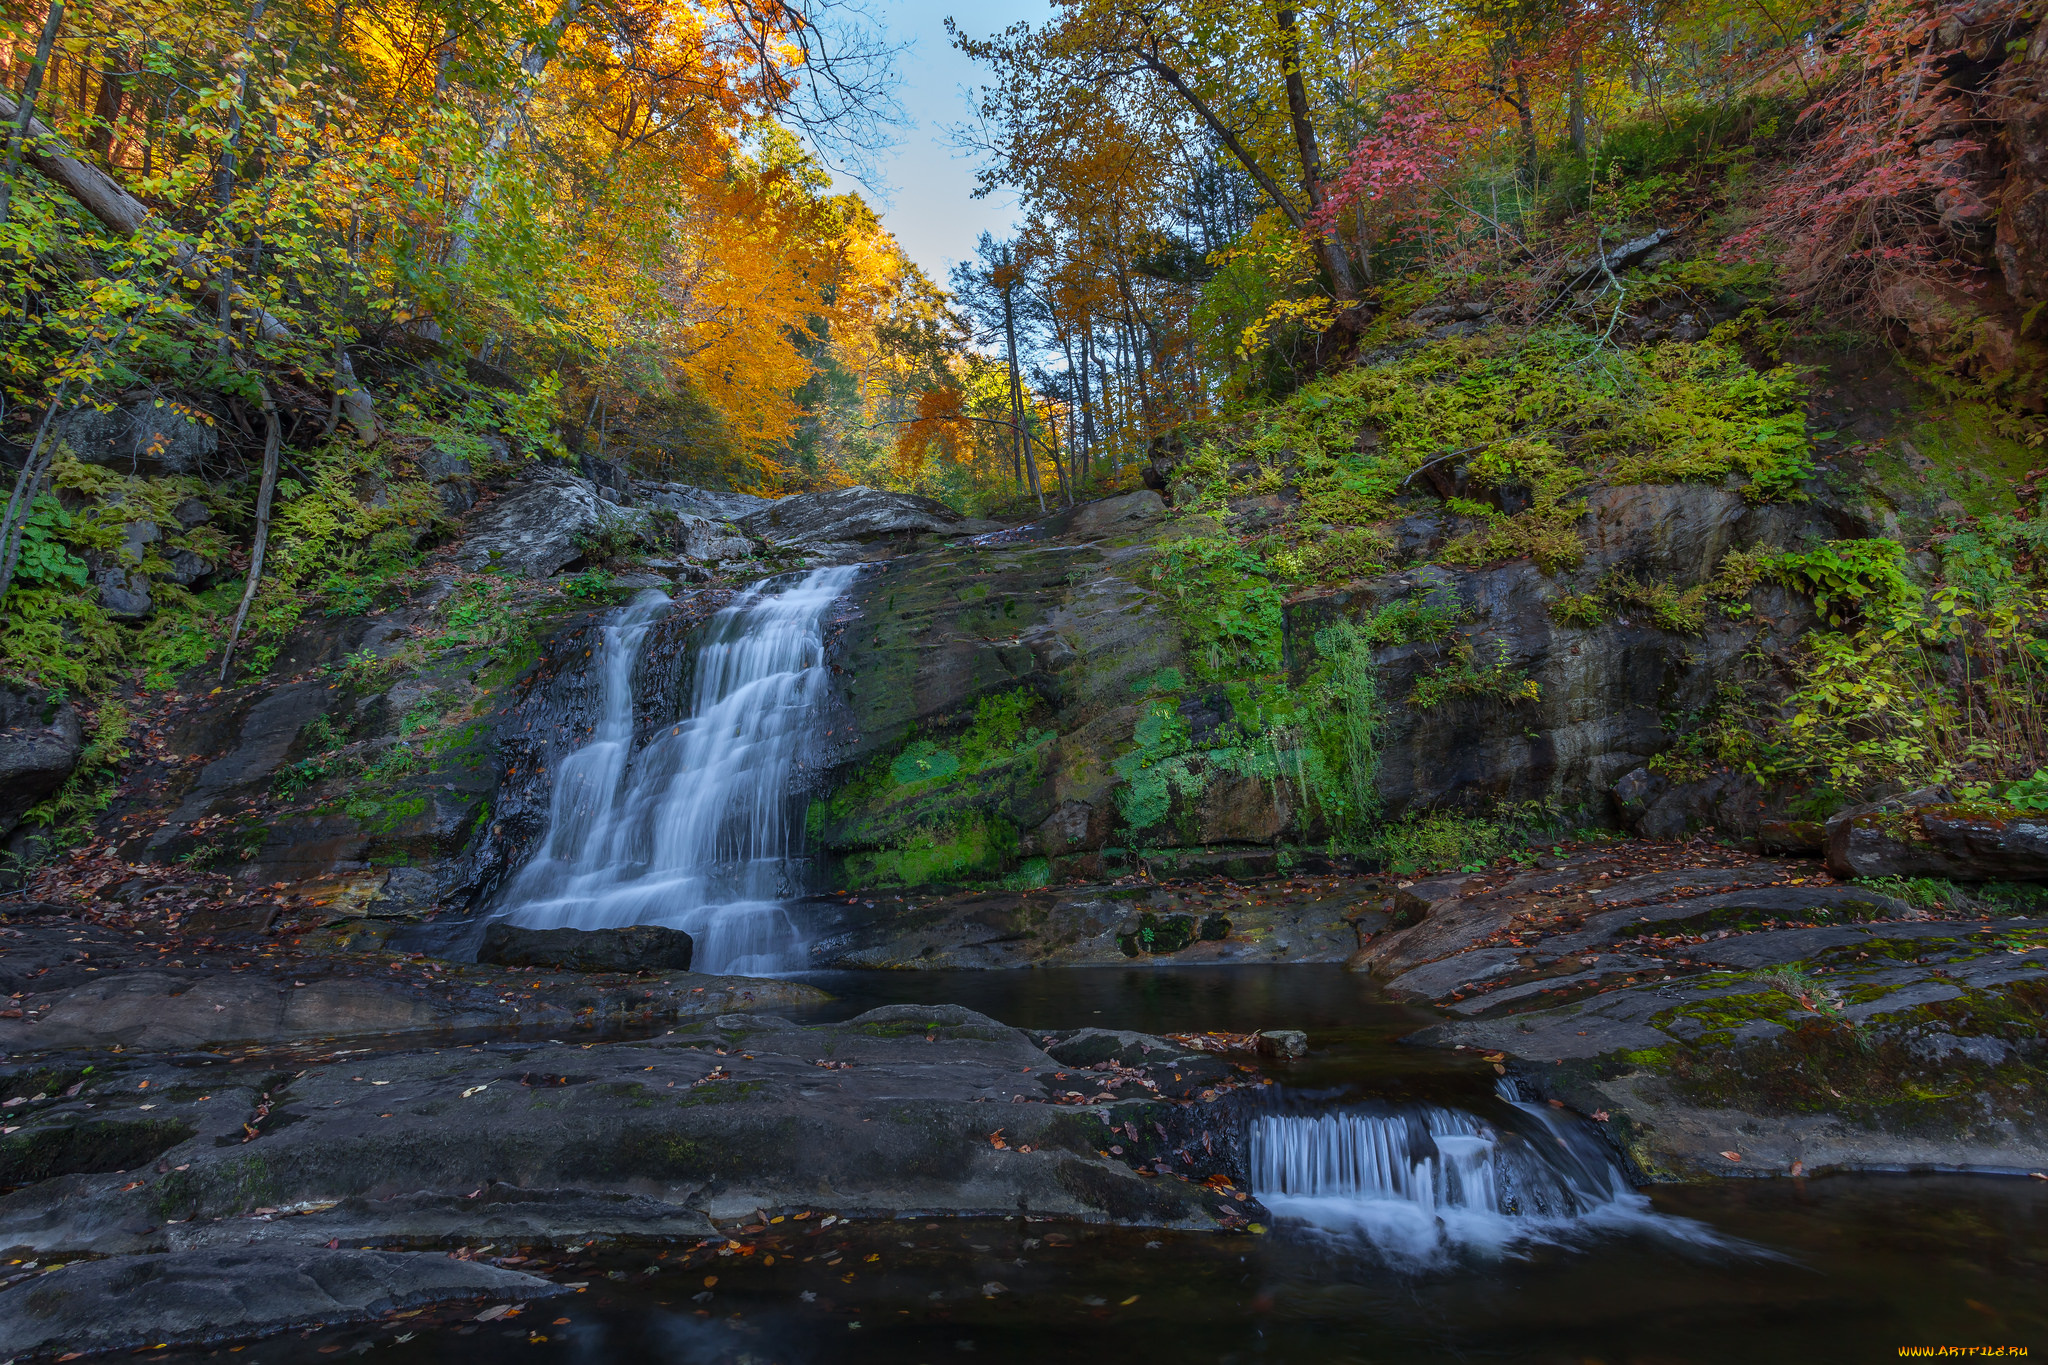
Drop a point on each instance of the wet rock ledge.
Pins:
(931, 1109)
(1756, 1018)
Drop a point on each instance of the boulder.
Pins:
(136, 538)
(1924, 834)
(188, 570)
(709, 503)
(711, 541)
(1283, 1042)
(141, 438)
(189, 1297)
(540, 525)
(1655, 807)
(448, 469)
(124, 592)
(640, 947)
(844, 519)
(40, 740)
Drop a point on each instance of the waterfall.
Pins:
(698, 828)
(1420, 1182)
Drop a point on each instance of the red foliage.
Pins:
(1883, 187)
(1391, 168)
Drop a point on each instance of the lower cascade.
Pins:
(697, 829)
(1420, 1182)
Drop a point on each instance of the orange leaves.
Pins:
(941, 422)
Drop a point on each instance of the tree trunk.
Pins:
(534, 63)
(1026, 458)
(1525, 115)
(224, 184)
(1086, 444)
(265, 492)
(24, 119)
(1578, 105)
(1328, 248)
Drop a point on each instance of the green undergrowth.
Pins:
(1915, 679)
(1536, 416)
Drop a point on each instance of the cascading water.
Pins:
(697, 830)
(1420, 1182)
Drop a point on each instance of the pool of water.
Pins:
(1847, 1268)
(1353, 1029)
(1834, 1270)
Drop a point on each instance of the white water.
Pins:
(696, 830)
(1421, 1183)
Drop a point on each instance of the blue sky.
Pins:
(926, 188)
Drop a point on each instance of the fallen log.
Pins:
(125, 214)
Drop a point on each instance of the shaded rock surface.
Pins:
(77, 984)
(40, 739)
(1184, 924)
(1926, 834)
(538, 525)
(925, 1108)
(641, 947)
(141, 438)
(195, 1297)
(710, 503)
(1065, 615)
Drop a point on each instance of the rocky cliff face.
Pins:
(996, 696)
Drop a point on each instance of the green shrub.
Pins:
(1465, 675)
(1441, 840)
(1582, 609)
(1227, 606)
(1847, 576)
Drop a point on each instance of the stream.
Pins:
(1422, 1209)
(1386, 1167)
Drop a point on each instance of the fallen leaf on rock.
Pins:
(1733, 1156)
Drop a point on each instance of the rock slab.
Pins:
(639, 947)
(539, 526)
(188, 1297)
(848, 517)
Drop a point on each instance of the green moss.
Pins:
(1965, 454)
(1226, 601)
(382, 815)
(978, 847)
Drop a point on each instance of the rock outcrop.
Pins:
(198, 1297)
(1749, 1007)
(709, 503)
(142, 438)
(845, 524)
(542, 524)
(75, 984)
(40, 740)
(933, 1108)
(1929, 834)
(1065, 621)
